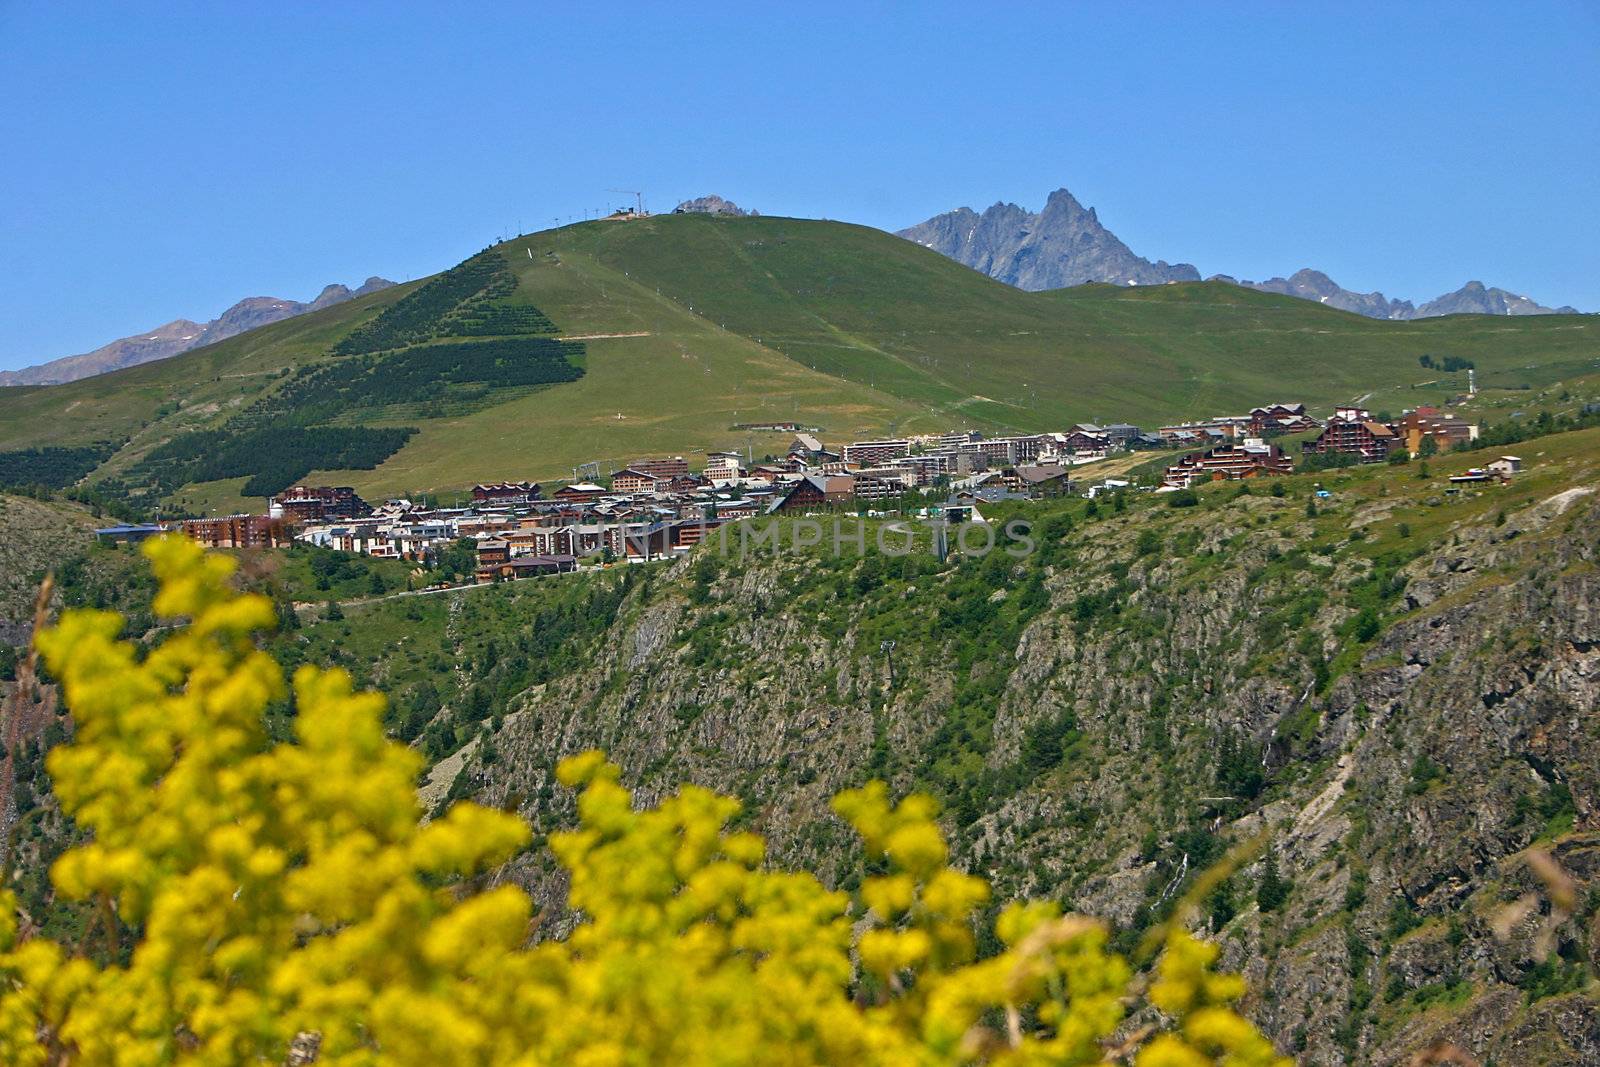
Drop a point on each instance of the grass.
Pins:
(223, 497)
(151, 402)
(727, 321)
(676, 387)
(855, 303)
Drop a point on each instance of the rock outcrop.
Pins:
(711, 205)
(1475, 298)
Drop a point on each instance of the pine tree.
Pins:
(1274, 889)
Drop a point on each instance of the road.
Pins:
(355, 602)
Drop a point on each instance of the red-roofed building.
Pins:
(1280, 419)
(1251, 459)
(661, 468)
(317, 503)
(634, 480)
(1355, 432)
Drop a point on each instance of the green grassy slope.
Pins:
(150, 402)
(858, 303)
(746, 320)
(668, 380)
(692, 324)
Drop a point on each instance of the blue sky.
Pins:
(164, 162)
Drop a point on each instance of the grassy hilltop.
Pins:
(691, 324)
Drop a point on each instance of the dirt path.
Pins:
(601, 336)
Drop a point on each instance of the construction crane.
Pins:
(638, 198)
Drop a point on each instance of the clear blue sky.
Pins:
(159, 164)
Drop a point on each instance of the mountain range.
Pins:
(1474, 298)
(1065, 244)
(180, 335)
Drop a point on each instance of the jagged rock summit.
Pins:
(181, 335)
(711, 205)
(1064, 244)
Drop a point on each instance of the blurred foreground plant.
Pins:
(287, 894)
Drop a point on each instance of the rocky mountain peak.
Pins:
(1062, 244)
(330, 295)
(1063, 203)
(1475, 298)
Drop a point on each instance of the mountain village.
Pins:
(656, 508)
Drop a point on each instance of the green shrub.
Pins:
(1403, 918)
(1424, 772)
(1273, 891)
(1047, 741)
(1365, 625)
(1552, 977)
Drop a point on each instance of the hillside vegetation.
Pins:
(39, 534)
(660, 335)
(1391, 687)
(272, 901)
(1392, 684)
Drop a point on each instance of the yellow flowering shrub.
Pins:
(280, 894)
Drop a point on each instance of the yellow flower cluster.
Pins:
(288, 892)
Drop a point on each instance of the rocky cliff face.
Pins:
(181, 335)
(1062, 245)
(1397, 693)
